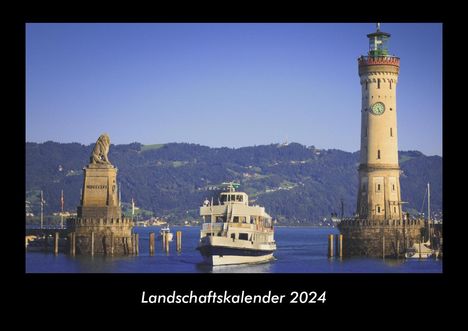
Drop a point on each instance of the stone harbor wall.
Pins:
(379, 238)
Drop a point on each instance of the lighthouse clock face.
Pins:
(378, 108)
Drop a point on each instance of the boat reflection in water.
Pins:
(235, 268)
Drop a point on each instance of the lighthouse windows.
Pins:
(378, 184)
(378, 83)
(378, 154)
(390, 85)
(391, 132)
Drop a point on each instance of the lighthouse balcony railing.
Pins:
(379, 59)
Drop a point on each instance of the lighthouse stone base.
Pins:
(373, 238)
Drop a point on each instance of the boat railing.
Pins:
(212, 226)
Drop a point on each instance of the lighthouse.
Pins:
(380, 227)
(379, 195)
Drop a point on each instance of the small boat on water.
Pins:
(234, 232)
(165, 230)
(420, 251)
(424, 250)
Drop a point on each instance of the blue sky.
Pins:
(224, 84)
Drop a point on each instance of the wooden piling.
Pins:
(330, 245)
(56, 242)
(167, 243)
(340, 243)
(112, 243)
(137, 244)
(179, 241)
(419, 248)
(92, 243)
(69, 243)
(151, 243)
(398, 248)
(72, 243)
(383, 247)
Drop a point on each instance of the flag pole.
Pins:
(133, 209)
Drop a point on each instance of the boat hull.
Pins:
(218, 260)
(419, 256)
(222, 255)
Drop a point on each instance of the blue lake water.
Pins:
(299, 250)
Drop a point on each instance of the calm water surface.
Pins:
(299, 250)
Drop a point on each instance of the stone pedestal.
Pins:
(111, 236)
(99, 227)
(375, 238)
(99, 195)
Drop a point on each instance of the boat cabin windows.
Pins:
(232, 198)
(220, 219)
(239, 219)
(243, 236)
(252, 219)
(233, 236)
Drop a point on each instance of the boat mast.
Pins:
(429, 212)
(342, 208)
(61, 213)
(42, 210)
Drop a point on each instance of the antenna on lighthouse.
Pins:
(378, 27)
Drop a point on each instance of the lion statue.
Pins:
(101, 149)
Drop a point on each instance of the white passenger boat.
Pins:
(234, 232)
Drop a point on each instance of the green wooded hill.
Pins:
(297, 184)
